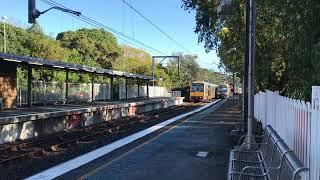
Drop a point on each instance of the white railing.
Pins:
(176, 93)
(297, 122)
(157, 91)
(48, 92)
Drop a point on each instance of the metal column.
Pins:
(67, 86)
(126, 87)
(138, 87)
(179, 68)
(29, 100)
(250, 61)
(92, 88)
(153, 69)
(245, 79)
(148, 89)
(233, 81)
(251, 82)
(111, 87)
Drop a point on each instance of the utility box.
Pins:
(315, 97)
(8, 83)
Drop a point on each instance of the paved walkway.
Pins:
(172, 154)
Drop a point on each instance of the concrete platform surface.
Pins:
(197, 148)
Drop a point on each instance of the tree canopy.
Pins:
(96, 44)
(287, 41)
(98, 48)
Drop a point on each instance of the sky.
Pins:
(166, 14)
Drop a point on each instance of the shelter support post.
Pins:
(138, 88)
(153, 69)
(111, 87)
(67, 86)
(29, 100)
(92, 88)
(126, 87)
(148, 82)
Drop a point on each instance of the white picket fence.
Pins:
(297, 122)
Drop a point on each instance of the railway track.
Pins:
(62, 141)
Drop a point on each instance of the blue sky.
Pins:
(166, 14)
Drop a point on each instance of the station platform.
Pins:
(194, 148)
(24, 123)
(38, 112)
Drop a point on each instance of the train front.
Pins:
(222, 92)
(197, 92)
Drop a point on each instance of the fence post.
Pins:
(275, 105)
(308, 143)
(292, 121)
(316, 114)
(267, 107)
(315, 94)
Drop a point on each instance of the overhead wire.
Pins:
(97, 24)
(157, 27)
(132, 24)
(123, 17)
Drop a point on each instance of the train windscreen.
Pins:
(222, 89)
(197, 87)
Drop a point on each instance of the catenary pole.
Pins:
(251, 6)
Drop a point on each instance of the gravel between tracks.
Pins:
(27, 167)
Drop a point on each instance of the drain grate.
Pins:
(202, 154)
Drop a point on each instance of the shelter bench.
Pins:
(271, 160)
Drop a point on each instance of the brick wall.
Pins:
(8, 85)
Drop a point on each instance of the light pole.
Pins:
(251, 7)
(4, 18)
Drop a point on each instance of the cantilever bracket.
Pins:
(37, 13)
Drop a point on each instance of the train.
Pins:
(202, 91)
(223, 91)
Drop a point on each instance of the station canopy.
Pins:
(55, 64)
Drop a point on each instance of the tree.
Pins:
(96, 44)
(97, 48)
(134, 61)
(35, 28)
(214, 77)
(188, 72)
(287, 41)
(16, 39)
